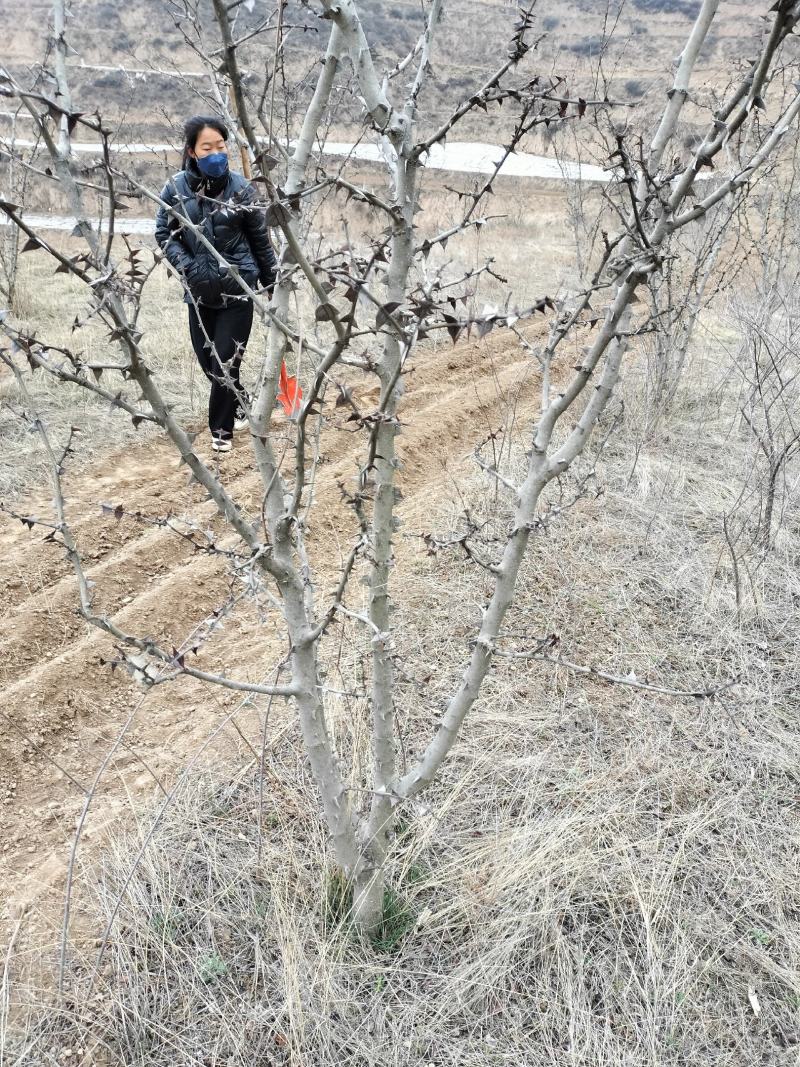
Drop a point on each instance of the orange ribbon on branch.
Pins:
(290, 395)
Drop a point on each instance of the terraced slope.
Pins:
(62, 705)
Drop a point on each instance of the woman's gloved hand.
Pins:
(204, 285)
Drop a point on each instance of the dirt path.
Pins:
(62, 705)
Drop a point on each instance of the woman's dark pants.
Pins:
(219, 335)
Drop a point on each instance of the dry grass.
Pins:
(601, 877)
(47, 306)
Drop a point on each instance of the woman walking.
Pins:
(221, 205)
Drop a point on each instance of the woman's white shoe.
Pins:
(221, 444)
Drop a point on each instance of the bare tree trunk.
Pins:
(369, 887)
(61, 153)
(231, 66)
(769, 508)
(274, 537)
(10, 234)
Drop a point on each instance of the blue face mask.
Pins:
(214, 165)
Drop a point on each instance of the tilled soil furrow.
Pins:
(151, 575)
(153, 583)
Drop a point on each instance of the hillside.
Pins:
(603, 875)
(598, 47)
(500, 621)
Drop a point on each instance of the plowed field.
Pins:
(63, 707)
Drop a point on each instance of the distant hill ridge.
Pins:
(633, 47)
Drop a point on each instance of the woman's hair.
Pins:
(191, 131)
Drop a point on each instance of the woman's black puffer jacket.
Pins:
(224, 209)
